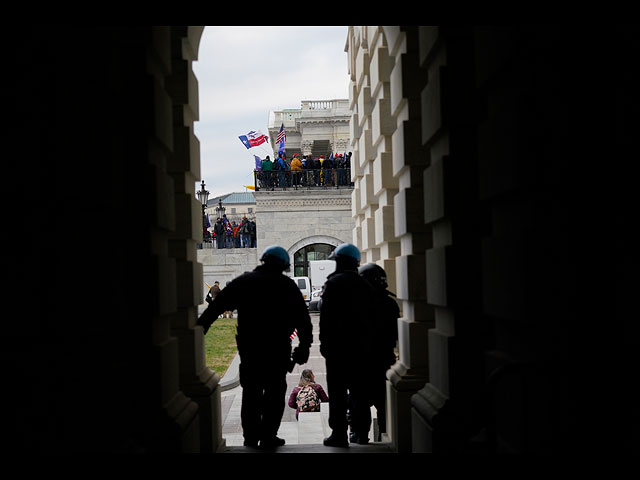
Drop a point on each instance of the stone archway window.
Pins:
(315, 251)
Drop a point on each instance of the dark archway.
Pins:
(315, 251)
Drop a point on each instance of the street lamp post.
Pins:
(219, 213)
(203, 196)
(220, 209)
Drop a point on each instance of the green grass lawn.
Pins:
(220, 344)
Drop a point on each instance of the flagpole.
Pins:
(262, 146)
(260, 152)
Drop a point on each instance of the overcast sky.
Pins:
(245, 72)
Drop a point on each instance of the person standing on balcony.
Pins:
(219, 230)
(267, 172)
(229, 235)
(306, 171)
(327, 171)
(315, 170)
(245, 237)
(296, 168)
(236, 234)
(340, 168)
(282, 167)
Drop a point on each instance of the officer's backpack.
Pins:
(307, 399)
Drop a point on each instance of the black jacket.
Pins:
(385, 329)
(218, 228)
(346, 318)
(270, 307)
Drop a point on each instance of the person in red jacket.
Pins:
(307, 379)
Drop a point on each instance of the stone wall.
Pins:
(387, 164)
(292, 219)
(225, 264)
(125, 369)
(469, 148)
(296, 218)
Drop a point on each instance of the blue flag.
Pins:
(281, 138)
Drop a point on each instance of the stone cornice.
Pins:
(301, 200)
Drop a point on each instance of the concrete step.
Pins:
(315, 448)
(310, 428)
(313, 427)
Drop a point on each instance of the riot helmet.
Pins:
(276, 256)
(346, 254)
(374, 275)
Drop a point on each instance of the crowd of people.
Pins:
(229, 234)
(305, 171)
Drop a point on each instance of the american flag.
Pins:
(281, 135)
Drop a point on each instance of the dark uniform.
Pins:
(346, 344)
(385, 336)
(270, 307)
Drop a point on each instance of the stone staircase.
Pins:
(320, 147)
(302, 436)
(290, 152)
(313, 427)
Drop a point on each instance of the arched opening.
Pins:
(110, 334)
(315, 251)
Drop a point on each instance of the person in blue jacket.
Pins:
(283, 173)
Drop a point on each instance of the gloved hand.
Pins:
(204, 322)
(300, 354)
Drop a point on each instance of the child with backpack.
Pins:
(308, 395)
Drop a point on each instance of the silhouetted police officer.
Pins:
(385, 336)
(265, 324)
(345, 343)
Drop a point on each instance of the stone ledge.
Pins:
(231, 377)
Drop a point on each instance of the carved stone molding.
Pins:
(276, 204)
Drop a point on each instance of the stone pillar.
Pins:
(453, 275)
(197, 381)
(388, 160)
(409, 160)
(182, 431)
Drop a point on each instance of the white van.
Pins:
(304, 284)
(319, 270)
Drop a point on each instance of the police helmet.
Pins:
(374, 275)
(347, 252)
(276, 256)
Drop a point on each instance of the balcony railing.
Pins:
(302, 179)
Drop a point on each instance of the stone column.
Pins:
(409, 160)
(388, 160)
(197, 381)
(174, 424)
(441, 410)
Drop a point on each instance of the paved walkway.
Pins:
(311, 428)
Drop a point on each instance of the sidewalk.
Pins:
(311, 429)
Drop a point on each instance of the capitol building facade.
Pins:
(309, 221)
(318, 127)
